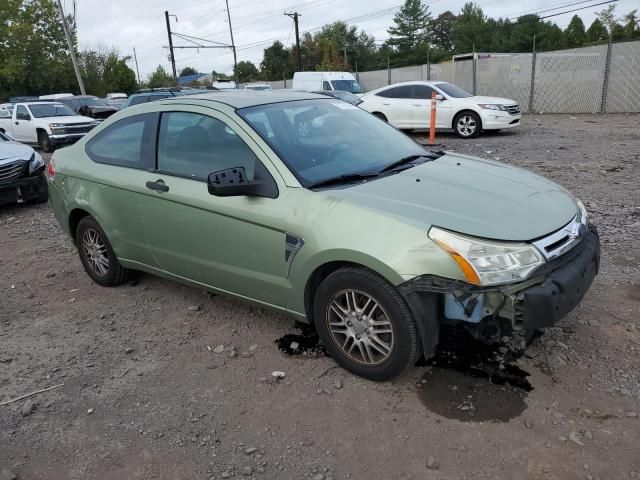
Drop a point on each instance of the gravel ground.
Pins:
(162, 381)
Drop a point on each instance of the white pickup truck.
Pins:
(47, 124)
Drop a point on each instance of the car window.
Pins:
(194, 145)
(22, 113)
(43, 110)
(404, 91)
(138, 100)
(454, 91)
(422, 92)
(123, 143)
(326, 85)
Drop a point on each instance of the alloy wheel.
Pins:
(95, 251)
(360, 327)
(466, 125)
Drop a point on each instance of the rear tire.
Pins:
(42, 190)
(365, 325)
(97, 255)
(45, 142)
(467, 124)
(381, 116)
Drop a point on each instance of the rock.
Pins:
(294, 345)
(27, 408)
(631, 414)
(247, 471)
(337, 384)
(233, 353)
(194, 308)
(573, 436)
(250, 450)
(218, 349)
(6, 360)
(90, 411)
(225, 474)
(278, 375)
(319, 477)
(432, 463)
(253, 347)
(588, 435)
(128, 350)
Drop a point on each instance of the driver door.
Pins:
(23, 129)
(235, 244)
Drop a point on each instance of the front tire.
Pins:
(467, 124)
(365, 325)
(45, 142)
(97, 255)
(42, 190)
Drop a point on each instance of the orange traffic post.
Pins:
(432, 123)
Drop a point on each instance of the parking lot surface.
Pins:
(163, 381)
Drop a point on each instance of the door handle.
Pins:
(386, 104)
(158, 186)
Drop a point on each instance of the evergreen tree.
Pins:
(631, 30)
(277, 62)
(470, 31)
(575, 35)
(412, 27)
(246, 72)
(159, 78)
(442, 31)
(187, 71)
(597, 32)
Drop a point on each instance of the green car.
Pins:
(314, 207)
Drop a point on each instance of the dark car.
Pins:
(342, 95)
(21, 173)
(89, 106)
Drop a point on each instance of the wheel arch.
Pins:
(464, 110)
(75, 216)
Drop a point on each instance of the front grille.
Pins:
(11, 170)
(562, 260)
(73, 129)
(512, 109)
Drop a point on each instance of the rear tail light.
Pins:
(51, 170)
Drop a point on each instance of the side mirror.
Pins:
(232, 182)
(439, 97)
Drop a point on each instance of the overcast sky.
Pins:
(126, 24)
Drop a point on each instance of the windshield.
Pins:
(323, 139)
(453, 90)
(347, 97)
(346, 85)
(51, 110)
(93, 102)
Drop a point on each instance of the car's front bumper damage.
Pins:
(490, 312)
(24, 188)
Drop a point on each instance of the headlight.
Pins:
(583, 215)
(56, 125)
(35, 163)
(490, 106)
(486, 262)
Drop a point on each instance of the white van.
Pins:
(224, 84)
(314, 81)
(55, 96)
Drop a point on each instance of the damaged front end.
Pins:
(491, 312)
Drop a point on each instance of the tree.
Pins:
(246, 72)
(159, 78)
(276, 62)
(470, 31)
(188, 71)
(631, 30)
(607, 17)
(334, 40)
(597, 32)
(575, 35)
(442, 31)
(411, 29)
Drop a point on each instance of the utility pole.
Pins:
(345, 55)
(233, 46)
(71, 49)
(295, 16)
(173, 59)
(135, 57)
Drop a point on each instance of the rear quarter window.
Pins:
(127, 143)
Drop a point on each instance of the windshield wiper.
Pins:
(346, 178)
(405, 161)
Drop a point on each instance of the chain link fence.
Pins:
(602, 78)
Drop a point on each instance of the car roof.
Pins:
(249, 98)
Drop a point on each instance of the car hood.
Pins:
(468, 195)
(12, 151)
(497, 100)
(70, 119)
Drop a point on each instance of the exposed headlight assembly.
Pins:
(583, 216)
(35, 162)
(486, 262)
(491, 106)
